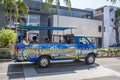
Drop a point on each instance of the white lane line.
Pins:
(11, 73)
(111, 65)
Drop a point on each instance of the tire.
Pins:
(43, 61)
(90, 59)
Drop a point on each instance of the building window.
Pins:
(99, 28)
(77, 14)
(33, 20)
(65, 12)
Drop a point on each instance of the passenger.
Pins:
(19, 40)
(34, 39)
(25, 41)
(20, 37)
(63, 40)
(60, 41)
(83, 41)
(47, 40)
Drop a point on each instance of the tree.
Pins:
(14, 9)
(48, 3)
(113, 1)
(7, 36)
(116, 22)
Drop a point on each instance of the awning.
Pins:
(44, 28)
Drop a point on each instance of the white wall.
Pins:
(109, 34)
(85, 27)
(106, 21)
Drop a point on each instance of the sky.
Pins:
(93, 4)
(82, 4)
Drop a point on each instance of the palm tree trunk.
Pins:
(117, 35)
(116, 30)
(10, 18)
(58, 6)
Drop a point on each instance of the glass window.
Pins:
(99, 28)
(65, 12)
(70, 39)
(52, 11)
(33, 20)
(76, 14)
(83, 41)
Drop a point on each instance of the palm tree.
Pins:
(48, 4)
(14, 9)
(10, 6)
(23, 9)
(117, 25)
(113, 1)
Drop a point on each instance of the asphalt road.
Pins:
(103, 69)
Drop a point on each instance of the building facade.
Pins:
(107, 15)
(83, 26)
(82, 20)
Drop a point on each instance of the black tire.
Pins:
(90, 59)
(36, 62)
(43, 61)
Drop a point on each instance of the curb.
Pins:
(5, 60)
(108, 56)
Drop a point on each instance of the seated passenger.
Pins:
(25, 41)
(34, 39)
(19, 40)
(63, 40)
(47, 40)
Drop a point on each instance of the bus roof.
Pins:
(44, 28)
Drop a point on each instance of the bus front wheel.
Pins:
(90, 59)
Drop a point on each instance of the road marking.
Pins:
(100, 71)
(11, 73)
(111, 65)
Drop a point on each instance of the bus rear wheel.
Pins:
(43, 61)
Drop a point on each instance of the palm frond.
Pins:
(48, 4)
(68, 3)
(22, 7)
(14, 6)
(112, 1)
(117, 13)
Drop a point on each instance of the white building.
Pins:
(106, 14)
(86, 27)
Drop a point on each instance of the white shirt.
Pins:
(25, 42)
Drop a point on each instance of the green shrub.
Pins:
(109, 52)
(5, 53)
(7, 37)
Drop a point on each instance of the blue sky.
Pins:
(93, 4)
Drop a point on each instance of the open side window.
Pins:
(70, 39)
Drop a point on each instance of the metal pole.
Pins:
(71, 31)
(58, 5)
(16, 25)
(102, 34)
(16, 28)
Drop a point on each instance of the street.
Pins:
(102, 69)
